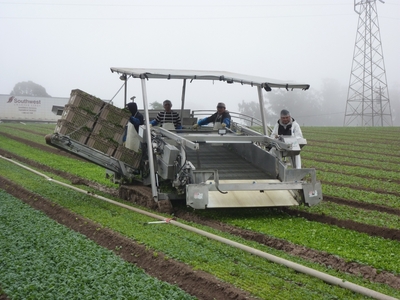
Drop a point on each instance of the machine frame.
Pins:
(262, 178)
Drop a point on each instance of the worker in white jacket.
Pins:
(286, 125)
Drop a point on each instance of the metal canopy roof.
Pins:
(228, 77)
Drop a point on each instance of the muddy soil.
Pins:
(110, 239)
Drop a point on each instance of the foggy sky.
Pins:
(64, 46)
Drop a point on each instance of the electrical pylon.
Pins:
(368, 95)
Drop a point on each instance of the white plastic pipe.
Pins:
(295, 266)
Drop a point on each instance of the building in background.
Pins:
(31, 109)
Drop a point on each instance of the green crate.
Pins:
(79, 117)
(109, 131)
(128, 156)
(115, 115)
(106, 146)
(78, 134)
(86, 101)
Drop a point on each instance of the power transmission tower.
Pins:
(368, 96)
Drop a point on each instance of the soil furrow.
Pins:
(350, 165)
(387, 233)
(363, 205)
(361, 188)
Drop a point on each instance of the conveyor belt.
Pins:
(229, 164)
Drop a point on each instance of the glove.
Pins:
(223, 125)
(195, 126)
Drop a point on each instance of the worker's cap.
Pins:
(285, 112)
(221, 105)
(133, 98)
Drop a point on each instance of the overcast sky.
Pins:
(64, 45)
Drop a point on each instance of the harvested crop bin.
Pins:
(85, 101)
(68, 128)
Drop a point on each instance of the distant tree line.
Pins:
(29, 88)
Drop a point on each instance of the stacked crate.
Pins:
(115, 115)
(97, 124)
(67, 128)
(79, 116)
(113, 121)
(128, 156)
(85, 102)
(109, 129)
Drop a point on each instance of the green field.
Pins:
(353, 164)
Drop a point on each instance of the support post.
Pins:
(126, 89)
(261, 100)
(183, 98)
(148, 141)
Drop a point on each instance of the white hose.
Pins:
(295, 266)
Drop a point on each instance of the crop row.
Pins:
(361, 195)
(359, 182)
(367, 142)
(342, 212)
(260, 277)
(356, 131)
(366, 177)
(387, 134)
(348, 244)
(355, 149)
(343, 156)
(70, 165)
(38, 138)
(39, 128)
(58, 263)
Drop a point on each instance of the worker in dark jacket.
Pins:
(222, 116)
(136, 119)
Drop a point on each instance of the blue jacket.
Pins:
(136, 119)
(225, 117)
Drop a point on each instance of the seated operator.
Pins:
(167, 116)
(221, 117)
